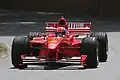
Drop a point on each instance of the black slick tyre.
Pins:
(89, 48)
(19, 45)
(103, 45)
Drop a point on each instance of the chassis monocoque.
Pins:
(90, 48)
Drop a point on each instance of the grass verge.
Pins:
(3, 50)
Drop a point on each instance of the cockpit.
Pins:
(60, 32)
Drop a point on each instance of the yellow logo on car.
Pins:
(52, 41)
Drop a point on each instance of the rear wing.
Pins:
(73, 27)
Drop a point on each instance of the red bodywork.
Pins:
(53, 45)
(54, 48)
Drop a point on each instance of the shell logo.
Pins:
(52, 41)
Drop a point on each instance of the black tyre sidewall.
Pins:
(19, 45)
(103, 45)
(88, 47)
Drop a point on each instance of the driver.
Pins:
(61, 31)
(62, 23)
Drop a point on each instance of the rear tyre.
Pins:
(33, 34)
(20, 45)
(89, 47)
(103, 45)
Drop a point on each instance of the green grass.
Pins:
(3, 49)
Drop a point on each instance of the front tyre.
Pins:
(89, 47)
(19, 45)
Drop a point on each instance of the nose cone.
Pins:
(52, 46)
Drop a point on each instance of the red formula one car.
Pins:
(63, 42)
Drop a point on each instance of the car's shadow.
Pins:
(60, 66)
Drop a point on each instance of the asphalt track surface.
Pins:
(13, 24)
